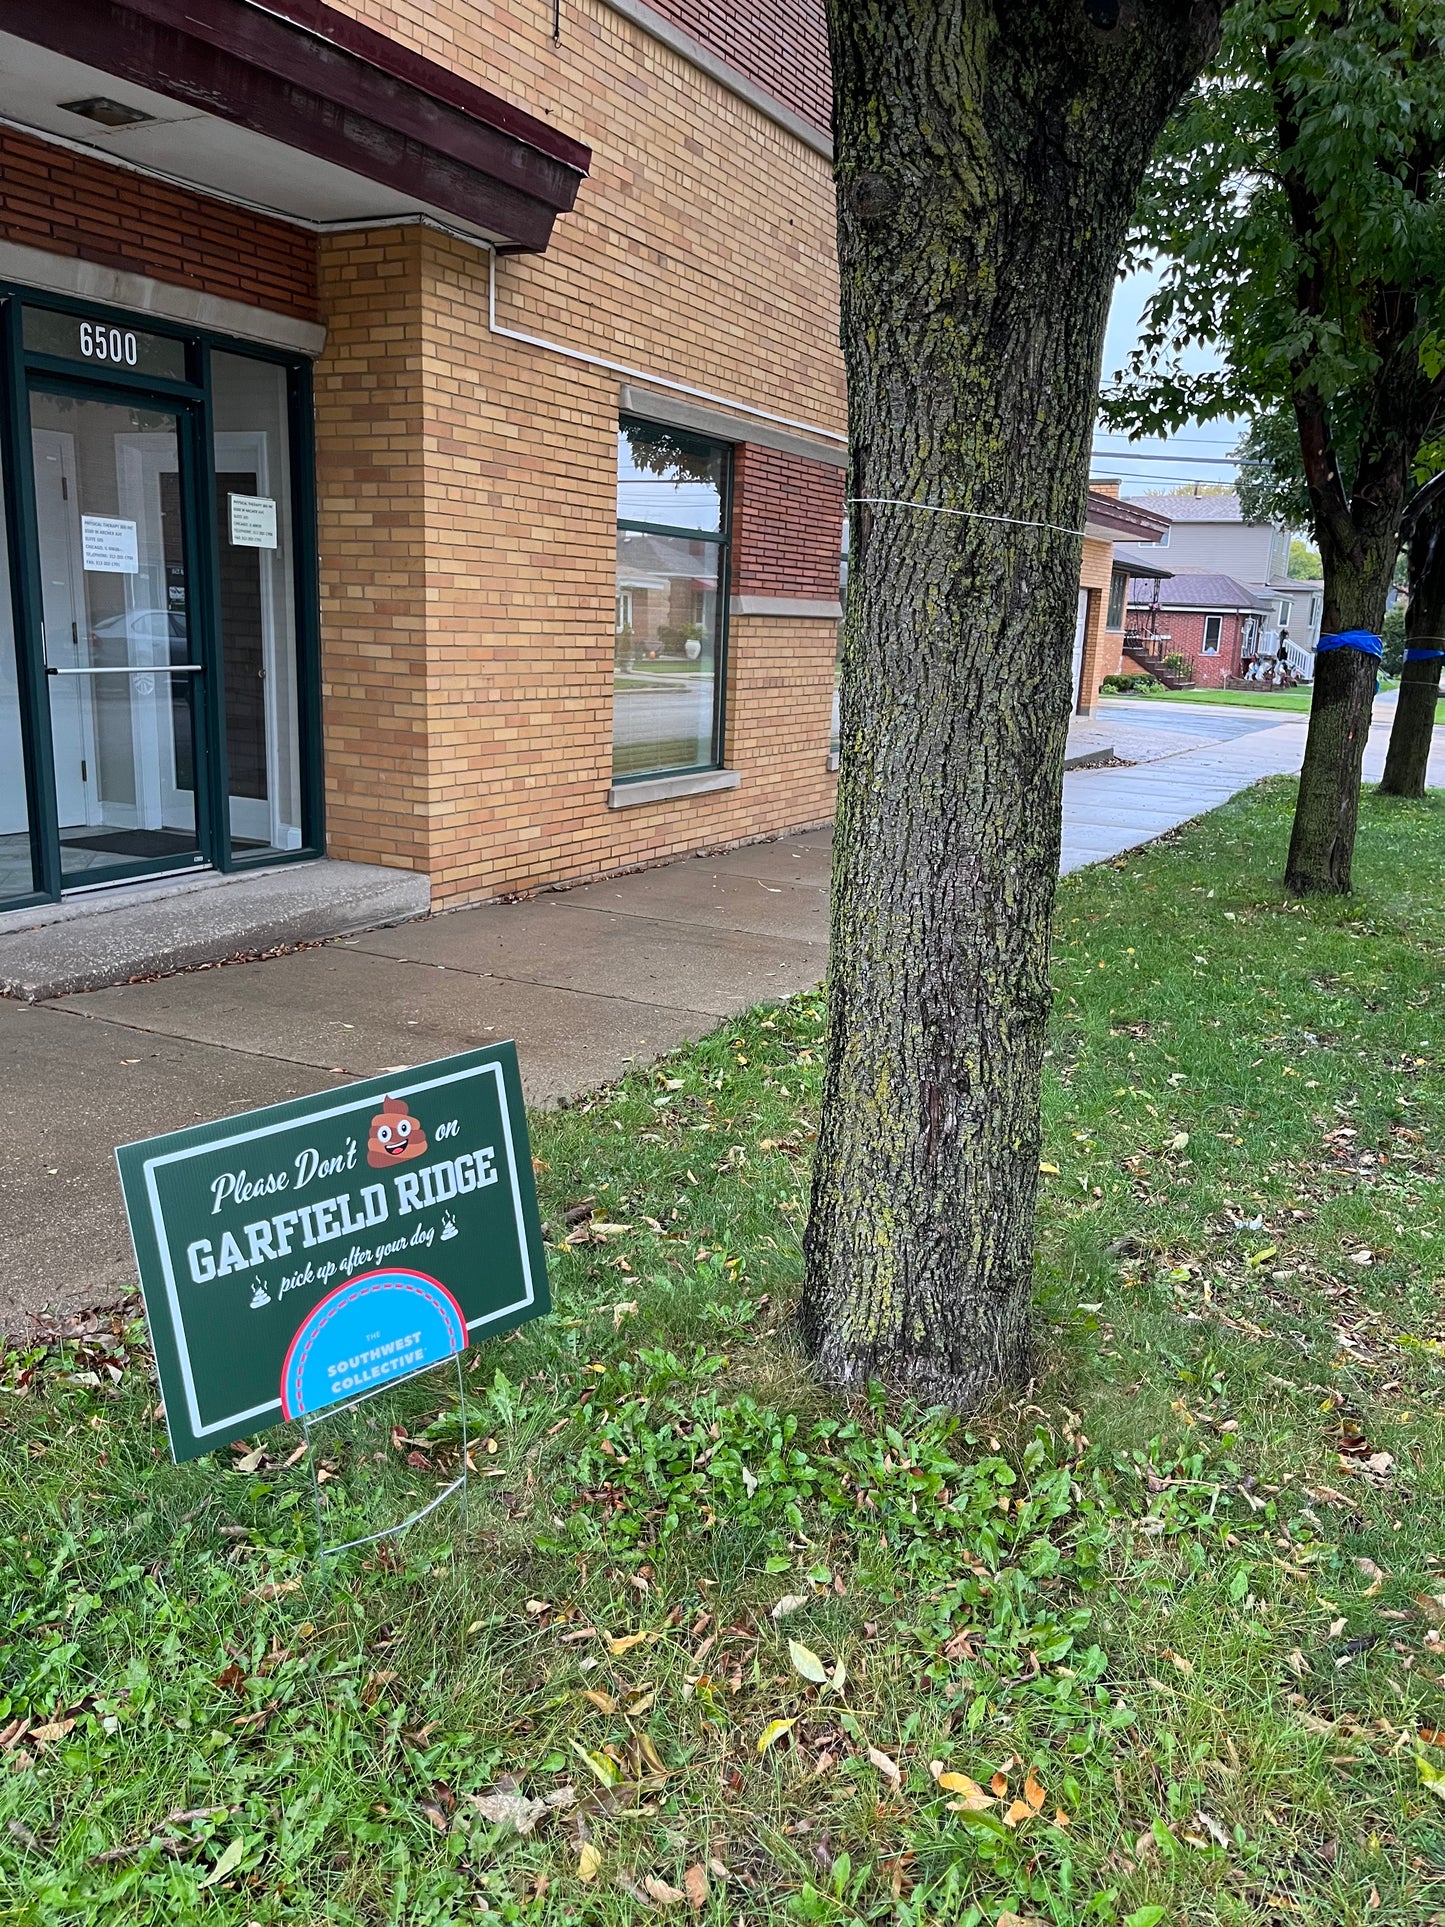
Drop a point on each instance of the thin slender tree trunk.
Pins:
(988, 159)
(1359, 538)
(1322, 842)
(1408, 758)
(1407, 761)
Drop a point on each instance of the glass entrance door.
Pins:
(121, 673)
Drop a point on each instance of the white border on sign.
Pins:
(151, 1166)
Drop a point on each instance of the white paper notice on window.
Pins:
(108, 545)
(253, 521)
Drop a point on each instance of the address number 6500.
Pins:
(116, 345)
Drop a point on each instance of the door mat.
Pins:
(136, 843)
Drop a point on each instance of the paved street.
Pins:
(587, 981)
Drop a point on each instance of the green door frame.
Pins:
(190, 400)
(200, 640)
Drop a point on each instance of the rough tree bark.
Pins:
(988, 156)
(1408, 758)
(1358, 536)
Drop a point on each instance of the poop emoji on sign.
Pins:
(395, 1135)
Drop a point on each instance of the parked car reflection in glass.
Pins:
(145, 637)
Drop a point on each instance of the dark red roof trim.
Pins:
(1133, 522)
(318, 81)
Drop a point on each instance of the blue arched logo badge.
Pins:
(378, 1328)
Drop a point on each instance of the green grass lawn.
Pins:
(1285, 699)
(1157, 1641)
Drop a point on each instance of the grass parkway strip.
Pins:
(1160, 1641)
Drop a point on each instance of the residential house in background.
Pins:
(1208, 535)
(1103, 586)
(426, 440)
(1213, 622)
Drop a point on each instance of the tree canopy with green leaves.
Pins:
(1304, 562)
(1295, 204)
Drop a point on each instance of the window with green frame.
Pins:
(673, 540)
(1118, 591)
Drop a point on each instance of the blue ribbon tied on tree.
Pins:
(1424, 655)
(1363, 641)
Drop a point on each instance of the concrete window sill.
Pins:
(777, 605)
(662, 789)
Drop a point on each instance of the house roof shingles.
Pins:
(1204, 591)
(1193, 508)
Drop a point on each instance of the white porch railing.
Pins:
(1301, 661)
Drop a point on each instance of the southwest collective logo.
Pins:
(381, 1326)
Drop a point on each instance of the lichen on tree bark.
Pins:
(988, 156)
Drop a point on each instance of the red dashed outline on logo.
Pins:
(354, 1289)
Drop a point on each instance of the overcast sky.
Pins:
(1194, 454)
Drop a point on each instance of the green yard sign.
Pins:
(305, 1254)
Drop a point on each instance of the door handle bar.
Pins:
(133, 669)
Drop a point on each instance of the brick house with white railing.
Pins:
(1213, 622)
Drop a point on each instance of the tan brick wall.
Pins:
(702, 245)
(468, 533)
(370, 409)
(468, 484)
(1101, 646)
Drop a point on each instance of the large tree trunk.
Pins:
(988, 158)
(1407, 761)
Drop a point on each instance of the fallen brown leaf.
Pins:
(56, 1730)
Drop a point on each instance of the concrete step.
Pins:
(148, 929)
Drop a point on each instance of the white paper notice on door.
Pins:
(253, 521)
(108, 545)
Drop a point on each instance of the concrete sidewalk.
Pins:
(587, 981)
